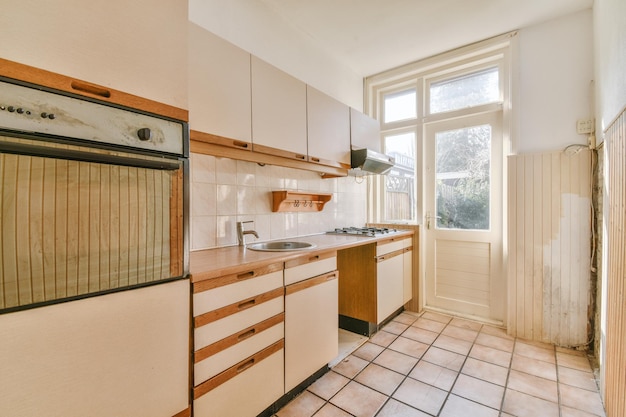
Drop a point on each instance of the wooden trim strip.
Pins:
(307, 259)
(311, 282)
(278, 152)
(327, 162)
(390, 255)
(232, 340)
(185, 413)
(228, 310)
(234, 278)
(26, 73)
(392, 239)
(220, 140)
(236, 369)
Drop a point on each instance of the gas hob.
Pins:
(363, 231)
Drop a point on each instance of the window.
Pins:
(400, 106)
(400, 200)
(466, 91)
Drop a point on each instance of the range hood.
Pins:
(368, 161)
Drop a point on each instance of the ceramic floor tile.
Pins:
(304, 405)
(460, 333)
(432, 325)
(571, 351)
(396, 361)
(485, 371)
(437, 317)
(383, 338)
(496, 331)
(409, 347)
(523, 405)
(444, 358)
(395, 327)
(421, 335)
(576, 378)
(359, 400)
(330, 410)
(380, 379)
(405, 318)
(466, 324)
(572, 412)
(491, 355)
(395, 408)
(580, 363)
(581, 399)
(328, 385)
(457, 406)
(479, 391)
(422, 396)
(495, 342)
(350, 366)
(453, 344)
(533, 385)
(534, 367)
(535, 352)
(435, 375)
(368, 351)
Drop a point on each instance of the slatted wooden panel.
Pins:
(549, 246)
(69, 228)
(615, 364)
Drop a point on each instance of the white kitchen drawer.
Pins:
(214, 294)
(244, 390)
(309, 266)
(393, 244)
(209, 333)
(246, 344)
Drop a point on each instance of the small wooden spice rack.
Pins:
(299, 201)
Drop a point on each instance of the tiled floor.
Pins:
(435, 365)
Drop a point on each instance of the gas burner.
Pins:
(362, 231)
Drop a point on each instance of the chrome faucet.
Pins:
(241, 232)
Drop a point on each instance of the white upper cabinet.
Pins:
(328, 124)
(134, 46)
(219, 88)
(365, 131)
(278, 112)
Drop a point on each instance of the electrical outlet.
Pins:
(584, 126)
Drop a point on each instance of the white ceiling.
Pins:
(371, 36)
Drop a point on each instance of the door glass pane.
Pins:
(400, 181)
(400, 106)
(463, 178)
(462, 92)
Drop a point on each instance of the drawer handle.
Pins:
(314, 159)
(246, 304)
(246, 335)
(302, 157)
(314, 258)
(240, 144)
(91, 89)
(245, 365)
(245, 275)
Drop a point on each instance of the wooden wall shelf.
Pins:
(298, 201)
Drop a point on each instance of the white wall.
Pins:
(555, 89)
(254, 28)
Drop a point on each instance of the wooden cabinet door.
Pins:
(278, 112)
(219, 88)
(364, 131)
(328, 125)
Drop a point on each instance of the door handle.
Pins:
(429, 217)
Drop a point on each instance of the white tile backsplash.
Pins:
(224, 191)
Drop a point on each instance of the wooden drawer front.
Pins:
(217, 330)
(307, 267)
(244, 390)
(219, 297)
(228, 357)
(392, 245)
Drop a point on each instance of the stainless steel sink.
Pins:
(280, 246)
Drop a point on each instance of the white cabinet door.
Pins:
(364, 131)
(407, 275)
(135, 46)
(389, 286)
(278, 112)
(219, 86)
(311, 327)
(328, 124)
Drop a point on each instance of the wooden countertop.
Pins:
(213, 263)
